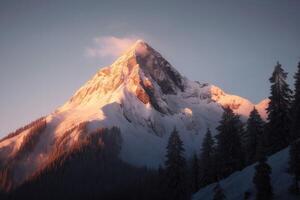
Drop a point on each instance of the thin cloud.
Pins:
(109, 46)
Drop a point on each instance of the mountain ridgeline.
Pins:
(138, 129)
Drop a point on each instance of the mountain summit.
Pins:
(141, 70)
(143, 95)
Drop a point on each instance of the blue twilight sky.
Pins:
(48, 49)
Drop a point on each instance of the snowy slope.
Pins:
(235, 185)
(143, 95)
(261, 107)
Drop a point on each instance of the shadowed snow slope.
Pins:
(143, 95)
(240, 182)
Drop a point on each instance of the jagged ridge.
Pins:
(143, 95)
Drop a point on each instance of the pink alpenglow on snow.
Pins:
(143, 95)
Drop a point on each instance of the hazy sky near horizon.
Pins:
(48, 49)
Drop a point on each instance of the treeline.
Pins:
(20, 130)
(26, 147)
(90, 169)
(238, 145)
(30, 139)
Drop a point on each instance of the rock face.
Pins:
(143, 95)
(141, 70)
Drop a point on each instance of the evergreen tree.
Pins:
(261, 148)
(5, 179)
(161, 174)
(195, 173)
(162, 182)
(218, 192)
(279, 119)
(229, 151)
(262, 180)
(207, 172)
(295, 129)
(294, 166)
(254, 133)
(175, 167)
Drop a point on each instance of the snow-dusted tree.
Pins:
(294, 166)
(262, 180)
(218, 192)
(295, 129)
(255, 128)
(229, 153)
(279, 118)
(175, 168)
(207, 166)
(195, 173)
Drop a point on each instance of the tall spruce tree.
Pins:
(218, 192)
(279, 118)
(207, 165)
(295, 129)
(262, 180)
(195, 173)
(176, 168)
(294, 167)
(261, 151)
(254, 133)
(229, 153)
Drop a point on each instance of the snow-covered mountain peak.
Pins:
(140, 70)
(149, 61)
(143, 95)
(140, 48)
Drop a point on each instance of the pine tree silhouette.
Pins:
(207, 158)
(279, 118)
(262, 180)
(175, 167)
(254, 133)
(295, 129)
(195, 173)
(229, 151)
